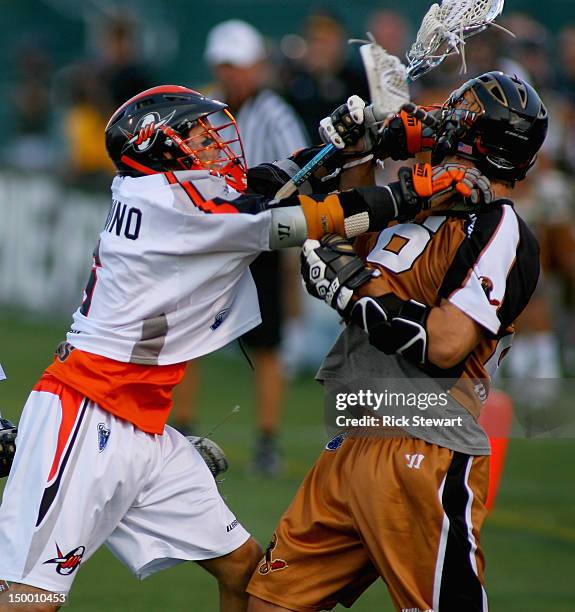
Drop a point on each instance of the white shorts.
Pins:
(82, 477)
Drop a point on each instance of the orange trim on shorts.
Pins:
(70, 402)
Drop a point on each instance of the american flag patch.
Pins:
(465, 148)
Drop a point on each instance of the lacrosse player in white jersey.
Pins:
(95, 462)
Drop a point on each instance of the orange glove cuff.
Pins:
(323, 217)
(413, 129)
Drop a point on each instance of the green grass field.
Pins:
(529, 540)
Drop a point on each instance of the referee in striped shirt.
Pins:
(270, 130)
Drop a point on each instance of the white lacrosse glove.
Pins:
(351, 125)
(331, 271)
(213, 456)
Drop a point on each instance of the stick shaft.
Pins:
(301, 177)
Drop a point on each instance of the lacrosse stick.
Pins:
(230, 414)
(387, 80)
(446, 26)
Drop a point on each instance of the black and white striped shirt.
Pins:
(270, 128)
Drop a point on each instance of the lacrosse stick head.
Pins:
(444, 30)
(497, 121)
(387, 80)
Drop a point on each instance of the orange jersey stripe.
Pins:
(208, 206)
(139, 394)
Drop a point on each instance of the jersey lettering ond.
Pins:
(170, 280)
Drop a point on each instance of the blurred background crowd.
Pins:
(282, 67)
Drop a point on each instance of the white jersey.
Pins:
(170, 280)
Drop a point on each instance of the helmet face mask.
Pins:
(172, 128)
(498, 122)
(206, 146)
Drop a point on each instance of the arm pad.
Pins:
(348, 213)
(354, 212)
(397, 326)
(394, 325)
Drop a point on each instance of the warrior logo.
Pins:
(270, 564)
(67, 564)
(220, 318)
(103, 436)
(487, 286)
(146, 132)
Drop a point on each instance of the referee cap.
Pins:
(234, 42)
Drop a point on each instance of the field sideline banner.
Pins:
(47, 233)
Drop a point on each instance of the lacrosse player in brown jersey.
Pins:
(446, 285)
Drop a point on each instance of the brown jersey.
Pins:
(486, 264)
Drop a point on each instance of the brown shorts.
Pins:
(398, 508)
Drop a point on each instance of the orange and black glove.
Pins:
(404, 136)
(446, 186)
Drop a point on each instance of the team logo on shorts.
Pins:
(68, 563)
(335, 443)
(270, 564)
(487, 286)
(103, 436)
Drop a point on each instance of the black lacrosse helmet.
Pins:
(150, 133)
(508, 127)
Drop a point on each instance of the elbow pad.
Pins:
(394, 326)
(399, 327)
(370, 209)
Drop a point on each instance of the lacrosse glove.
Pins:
(213, 456)
(404, 136)
(8, 432)
(449, 186)
(331, 271)
(351, 124)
